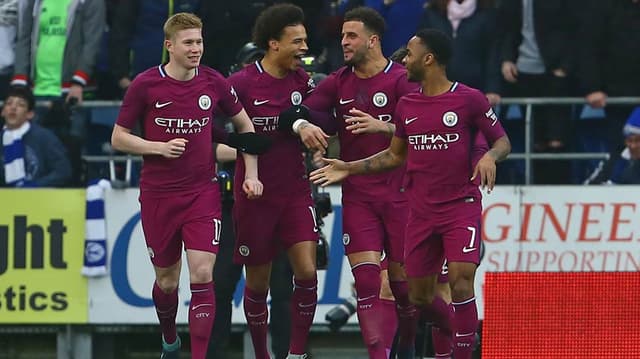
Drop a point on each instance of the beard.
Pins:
(356, 58)
(414, 75)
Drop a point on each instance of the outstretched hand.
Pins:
(486, 169)
(174, 148)
(334, 171)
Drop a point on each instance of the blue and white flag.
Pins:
(95, 244)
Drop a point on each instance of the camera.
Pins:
(322, 204)
(340, 314)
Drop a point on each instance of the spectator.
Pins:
(56, 49)
(472, 26)
(8, 29)
(136, 35)
(609, 61)
(624, 168)
(537, 59)
(32, 156)
(402, 18)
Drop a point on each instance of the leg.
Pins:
(407, 312)
(165, 299)
(365, 267)
(441, 336)
(461, 277)
(202, 307)
(302, 257)
(388, 312)
(255, 306)
(281, 288)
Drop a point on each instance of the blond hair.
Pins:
(181, 21)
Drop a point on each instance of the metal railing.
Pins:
(528, 155)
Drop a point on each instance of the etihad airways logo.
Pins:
(181, 126)
(427, 142)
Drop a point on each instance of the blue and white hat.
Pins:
(632, 127)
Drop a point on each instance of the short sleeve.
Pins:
(133, 105)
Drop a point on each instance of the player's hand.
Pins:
(486, 169)
(597, 99)
(334, 171)
(510, 71)
(174, 148)
(361, 122)
(493, 98)
(313, 137)
(252, 187)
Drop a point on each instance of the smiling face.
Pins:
(291, 47)
(414, 61)
(16, 112)
(185, 48)
(356, 42)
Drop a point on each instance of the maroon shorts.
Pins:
(194, 219)
(266, 226)
(375, 226)
(452, 231)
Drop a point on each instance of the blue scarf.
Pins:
(13, 149)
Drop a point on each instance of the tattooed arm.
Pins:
(336, 170)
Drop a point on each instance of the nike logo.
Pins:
(258, 102)
(251, 315)
(468, 250)
(199, 305)
(161, 105)
(344, 102)
(365, 298)
(409, 120)
(458, 335)
(306, 305)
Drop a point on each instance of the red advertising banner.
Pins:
(561, 315)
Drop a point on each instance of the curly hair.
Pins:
(271, 23)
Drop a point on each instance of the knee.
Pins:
(201, 274)
(421, 299)
(461, 289)
(167, 284)
(306, 273)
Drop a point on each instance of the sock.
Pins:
(166, 309)
(407, 315)
(303, 308)
(256, 313)
(201, 316)
(442, 342)
(390, 320)
(367, 281)
(440, 314)
(465, 325)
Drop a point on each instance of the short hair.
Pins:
(438, 43)
(272, 21)
(181, 21)
(371, 19)
(24, 93)
(399, 54)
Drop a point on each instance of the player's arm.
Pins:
(251, 185)
(123, 140)
(337, 170)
